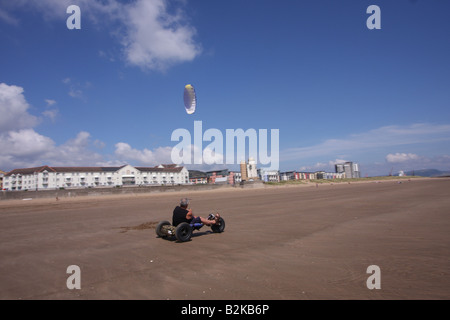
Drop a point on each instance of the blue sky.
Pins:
(112, 92)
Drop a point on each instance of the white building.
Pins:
(350, 169)
(46, 177)
(2, 174)
(252, 172)
(288, 175)
(269, 175)
(237, 176)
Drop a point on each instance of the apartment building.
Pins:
(46, 177)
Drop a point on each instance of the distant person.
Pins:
(181, 214)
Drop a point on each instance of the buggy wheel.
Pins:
(218, 227)
(159, 229)
(183, 232)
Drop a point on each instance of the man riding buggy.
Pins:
(184, 222)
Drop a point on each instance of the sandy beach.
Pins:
(296, 242)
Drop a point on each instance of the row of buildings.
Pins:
(250, 172)
(46, 177)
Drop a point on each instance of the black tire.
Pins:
(183, 232)
(158, 230)
(220, 227)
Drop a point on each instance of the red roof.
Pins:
(29, 170)
(166, 168)
(26, 171)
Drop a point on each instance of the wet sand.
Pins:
(297, 242)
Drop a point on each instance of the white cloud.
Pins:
(76, 89)
(155, 39)
(163, 155)
(99, 144)
(382, 137)
(14, 109)
(51, 114)
(27, 148)
(24, 143)
(106, 55)
(401, 157)
(337, 161)
(6, 17)
(50, 102)
(74, 152)
(22, 146)
(315, 167)
(75, 93)
(152, 36)
(143, 157)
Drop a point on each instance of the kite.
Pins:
(190, 100)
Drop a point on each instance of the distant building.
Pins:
(47, 177)
(334, 175)
(252, 172)
(221, 180)
(269, 175)
(236, 177)
(2, 174)
(307, 175)
(289, 175)
(350, 169)
(320, 175)
(221, 177)
(197, 177)
(249, 170)
(217, 175)
(329, 175)
(244, 176)
(356, 173)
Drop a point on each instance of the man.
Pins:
(182, 214)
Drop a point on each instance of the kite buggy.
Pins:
(183, 231)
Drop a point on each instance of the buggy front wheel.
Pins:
(219, 226)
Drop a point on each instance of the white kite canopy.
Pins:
(190, 100)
